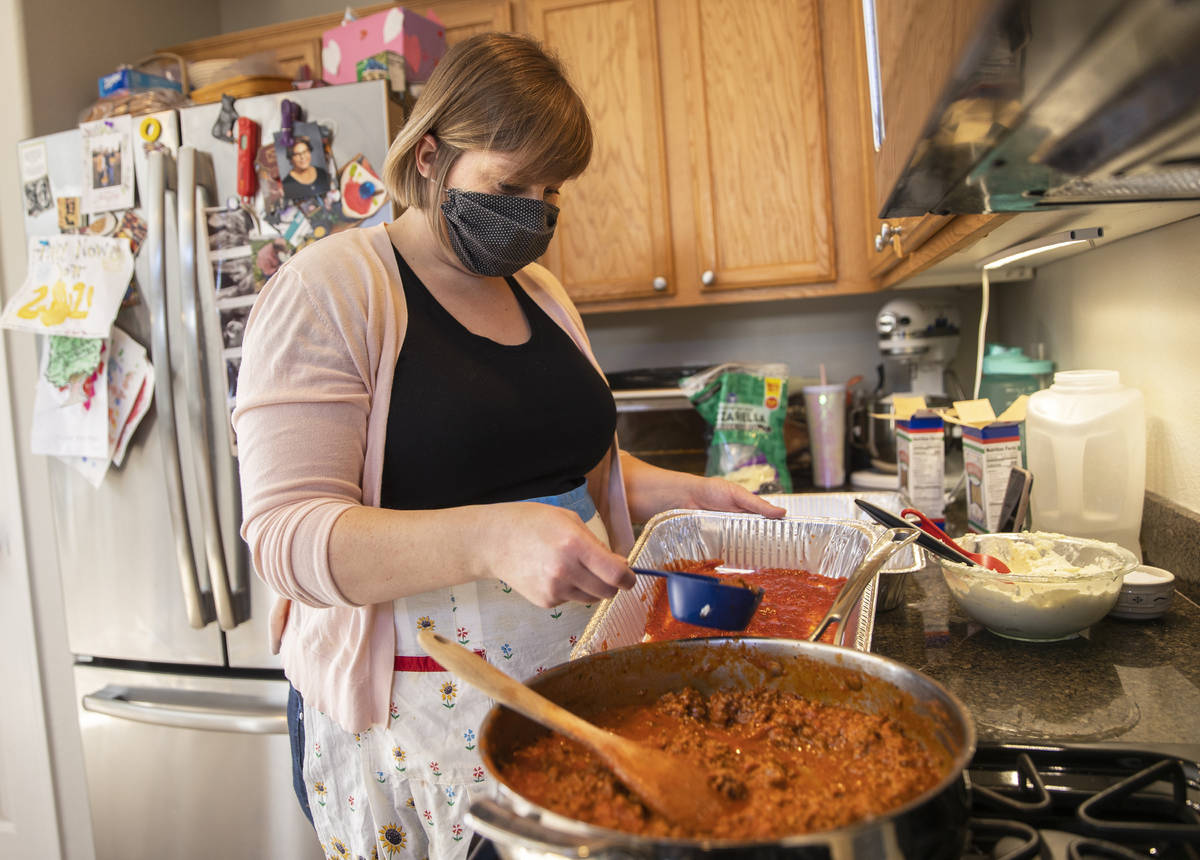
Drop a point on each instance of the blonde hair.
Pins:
(497, 92)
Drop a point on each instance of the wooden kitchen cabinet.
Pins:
(916, 45)
(465, 18)
(298, 43)
(613, 237)
(710, 178)
(759, 163)
(733, 160)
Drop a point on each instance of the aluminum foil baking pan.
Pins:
(893, 578)
(840, 506)
(822, 546)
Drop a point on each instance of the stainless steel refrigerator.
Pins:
(182, 707)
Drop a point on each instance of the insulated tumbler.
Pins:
(825, 410)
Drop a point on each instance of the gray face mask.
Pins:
(497, 234)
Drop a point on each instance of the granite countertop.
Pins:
(1121, 681)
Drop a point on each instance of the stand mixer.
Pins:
(918, 342)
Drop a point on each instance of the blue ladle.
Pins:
(707, 601)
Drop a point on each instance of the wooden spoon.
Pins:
(674, 787)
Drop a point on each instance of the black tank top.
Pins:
(473, 421)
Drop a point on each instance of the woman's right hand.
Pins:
(550, 557)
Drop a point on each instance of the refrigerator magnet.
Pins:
(108, 164)
(72, 419)
(35, 179)
(130, 389)
(70, 218)
(223, 128)
(302, 166)
(268, 253)
(150, 129)
(133, 228)
(229, 231)
(233, 315)
(233, 277)
(268, 182)
(362, 190)
(73, 286)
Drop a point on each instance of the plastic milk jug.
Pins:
(1086, 437)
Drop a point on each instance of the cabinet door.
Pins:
(893, 35)
(754, 89)
(465, 18)
(919, 44)
(612, 239)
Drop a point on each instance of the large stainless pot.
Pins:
(930, 826)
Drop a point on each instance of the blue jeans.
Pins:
(295, 719)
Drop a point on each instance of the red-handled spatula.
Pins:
(931, 528)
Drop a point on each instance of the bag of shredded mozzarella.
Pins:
(745, 404)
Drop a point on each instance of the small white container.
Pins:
(1086, 446)
(1146, 593)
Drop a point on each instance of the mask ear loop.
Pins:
(437, 220)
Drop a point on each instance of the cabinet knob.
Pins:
(708, 278)
(887, 236)
(660, 283)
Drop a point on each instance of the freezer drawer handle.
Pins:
(184, 710)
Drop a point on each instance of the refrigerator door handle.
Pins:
(197, 406)
(188, 709)
(160, 347)
(211, 352)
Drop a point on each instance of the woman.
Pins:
(426, 443)
(304, 179)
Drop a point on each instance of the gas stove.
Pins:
(1085, 801)
(1075, 802)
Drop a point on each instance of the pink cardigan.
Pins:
(313, 397)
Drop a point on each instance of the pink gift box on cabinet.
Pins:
(420, 41)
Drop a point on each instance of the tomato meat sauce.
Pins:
(794, 601)
(783, 764)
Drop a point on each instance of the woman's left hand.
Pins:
(651, 490)
(718, 494)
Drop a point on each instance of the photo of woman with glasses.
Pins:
(306, 178)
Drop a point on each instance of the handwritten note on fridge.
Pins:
(74, 286)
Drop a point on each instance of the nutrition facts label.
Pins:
(921, 460)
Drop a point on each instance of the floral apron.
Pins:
(401, 790)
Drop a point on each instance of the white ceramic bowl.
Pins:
(1074, 584)
(1146, 593)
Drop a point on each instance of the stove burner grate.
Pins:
(1090, 801)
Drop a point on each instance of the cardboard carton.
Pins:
(991, 450)
(921, 461)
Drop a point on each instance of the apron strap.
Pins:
(404, 663)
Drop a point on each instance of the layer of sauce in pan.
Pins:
(793, 602)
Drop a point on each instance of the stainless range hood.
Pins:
(1064, 102)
